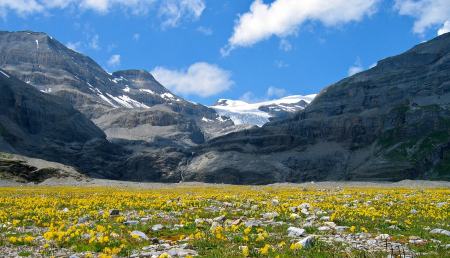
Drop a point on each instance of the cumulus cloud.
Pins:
(201, 79)
(283, 17)
(114, 61)
(356, 68)
(428, 13)
(172, 11)
(285, 45)
(274, 92)
(445, 28)
(75, 46)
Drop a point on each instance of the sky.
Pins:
(251, 50)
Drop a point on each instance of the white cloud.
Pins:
(201, 79)
(274, 92)
(283, 17)
(75, 46)
(174, 11)
(428, 13)
(94, 42)
(356, 68)
(114, 61)
(445, 28)
(281, 64)
(205, 30)
(136, 36)
(285, 45)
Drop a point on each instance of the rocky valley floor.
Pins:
(117, 219)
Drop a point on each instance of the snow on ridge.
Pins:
(147, 91)
(242, 112)
(5, 74)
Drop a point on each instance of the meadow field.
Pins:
(224, 221)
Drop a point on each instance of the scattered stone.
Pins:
(325, 218)
(275, 202)
(330, 224)
(324, 228)
(441, 204)
(383, 237)
(413, 211)
(157, 227)
(307, 241)
(220, 219)
(416, 240)
(440, 231)
(341, 228)
(131, 222)
(295, 232)
(114, 212)
(394, 227)
(180, 252)
(270, 215)
(140, 234)
(65, 210)
(145, 219)
(306, 206)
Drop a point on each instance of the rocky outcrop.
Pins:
(391, 122)
(42, 126)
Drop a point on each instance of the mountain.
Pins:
(43, 126)
(126, 105)
(260, 113)
(391, 122)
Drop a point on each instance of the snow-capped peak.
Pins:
(242, 112)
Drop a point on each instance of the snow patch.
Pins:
(37, 44)
(5, 74)
(127, 102)
(126, 89)
(242, 112)
(147, 91)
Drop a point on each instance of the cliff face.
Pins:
(391, 122)
(39, 125)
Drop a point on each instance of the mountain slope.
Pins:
(106, 98)
(391, 122)
(42, 126)
(260, 113)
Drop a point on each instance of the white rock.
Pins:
(305, 212)
(394, 227)
(307, 241)
(131, 222)
(220, 218)
(180, 252)
(325, 218)
(330, 224)
(440, 231)
(275, 202)
(270, 215)
(341, 228)
(304, 206)
(157, 227)
(441, 204)
(140, 234)
(324, 228)
(295, 232)
(65, 210)
(383, 237)
(413, 211)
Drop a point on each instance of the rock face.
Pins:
(391, 122)
(152, 125)
(42, 126)
(125, 104)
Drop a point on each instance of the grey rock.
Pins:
(295, 232)
(157, 227)
(140, 234)
(440, 231)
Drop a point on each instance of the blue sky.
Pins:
(210, 49)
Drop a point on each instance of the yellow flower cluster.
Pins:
(80, 218)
